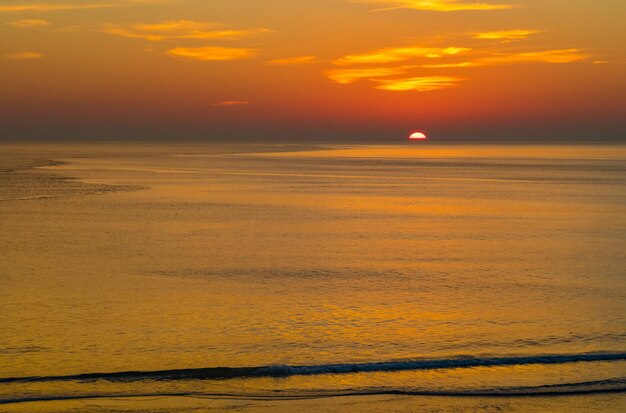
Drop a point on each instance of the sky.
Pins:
(313, 71)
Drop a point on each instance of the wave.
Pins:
(615, 385)
(222, 373)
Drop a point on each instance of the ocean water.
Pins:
(285, 272)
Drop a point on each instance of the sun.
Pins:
(417, 136)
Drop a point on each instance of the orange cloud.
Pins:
(475, 58)
(398, 54)
(345, 76)
(231, 103)
(28, 23)
(292, 60)
(545, 56)
(210, 53)
(446, 65)
(24, 55)
(505, 34)
(436, 5)
(180, 29)
(420, 84)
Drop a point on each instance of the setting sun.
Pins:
(417, 136)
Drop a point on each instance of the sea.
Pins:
(292, 277)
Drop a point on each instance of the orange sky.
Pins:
(324, 70)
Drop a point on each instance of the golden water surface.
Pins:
(156, 257)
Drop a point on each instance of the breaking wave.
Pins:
(223, 373)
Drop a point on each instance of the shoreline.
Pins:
(608, 402)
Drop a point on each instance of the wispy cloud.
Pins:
(420, 84)
(544, 56)
(411, 62)
(211, 53)
(472, 57)
(24, 55)
(82, 5)
(231, 103)
(448, 65)
(292, 60)
(505, 34)
(345, 76)
(398, 54)
(29, 23)
(181, 29)
(436, 5)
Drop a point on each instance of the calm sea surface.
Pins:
(285, 271)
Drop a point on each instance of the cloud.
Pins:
(447, 65)
(23, 55)
(28, 23)
(545, 56)
(211, 53)
(46, 7)
(231, 103)
(180, 29)
(506, 34)
(345, 76)
(420, 84)
(292, 60)
(398, 54)
(436, 5)
(441, 59)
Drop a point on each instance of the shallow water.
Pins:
(423, 270)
